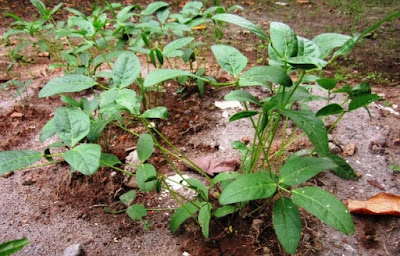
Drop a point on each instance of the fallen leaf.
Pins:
(303, 2)
(200, 27)
(349, 150)
(380, 204)
(213, 166)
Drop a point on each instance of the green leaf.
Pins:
(243, 114)
(298, 170)
(242, 96)
(199, 186)
(70, 101)
(326, 83)
(307, 48)
(329, 41)
(72, 125)
(283, 39)
(96, 128)
(126, 69)
(229, 58)
(48, 130)
(145, 147)
(362, 101)
(361, 89)
(17, 159)
(204, 219)
(128, 99)
(287, 224)
(136, 211)
(224, 210)
(182, 213)
(128, 197)
(83, 24)
(263, 74)
(241, 22)
(144, 173)
(161, 75)
(304, 62)
(324, 206)
(13, 246)
(224, 176)
(330, 109)
(160, 56)
(248, 187)
(66, 83)
(343, 169)
(85, 158)
(158, 112)
(107, 160)
(170, 50)
(153, 7)
(312, 126)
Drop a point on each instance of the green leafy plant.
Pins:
(13, 246)
(107, 44)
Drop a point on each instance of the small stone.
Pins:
(73, 250)
(132, 160)
(334, 149)
(330, 137)
(256, 224)
(7, 175)
(132, 183)
(246, 140)
(397, 142)
(17, 115)
(29, 181)
(43, 54)
(349, 150)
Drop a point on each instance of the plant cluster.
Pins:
(107, 43)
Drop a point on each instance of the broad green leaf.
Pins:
(361, 89)
(182, 213)
(242, 22)
(283, 39)
(13, 246)
(128, 99)
(70, 101)
(96, 128)
(343, 169)
(109, 160)
(66, 83)
(324, 206)
(72, 125)
(145, 147)
(126, 69)
(362, 101)
(48, 130)
(199, 186)
(136, 212)
(17, 159)
(329, 41)
(144, 173)
(330, 109)
(83, 24)
(298, 170)
(243, 114)
(312, 126)
(204, 219)
(161, 75)
(225, 176)
(248, 187)
(242, 96)
(162, 15)
(128, 197)
(158, 112)
(304, 62)
(307, 48)
(85, 158)
(287, 224)
(263, 75)
(224, 210)
(229, 58)
(153, 7)
(40, 6)
(170, 50)
(326, 83)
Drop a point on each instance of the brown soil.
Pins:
(55, 208)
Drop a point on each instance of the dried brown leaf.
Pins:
(380, 204)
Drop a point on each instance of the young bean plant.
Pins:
(114, 41)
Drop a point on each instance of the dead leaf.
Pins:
(380, 204)
(200, 27)
(17, 114)
(303, 2)
(213, 166)
(349, 150)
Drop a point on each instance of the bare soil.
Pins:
(55, 209)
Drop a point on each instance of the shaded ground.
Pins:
(55, 209)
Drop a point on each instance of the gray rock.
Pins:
(73, 250)
(335, 149)
(132, 183)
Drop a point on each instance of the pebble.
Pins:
(335, 149)
(73, 250)
(132, 183)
